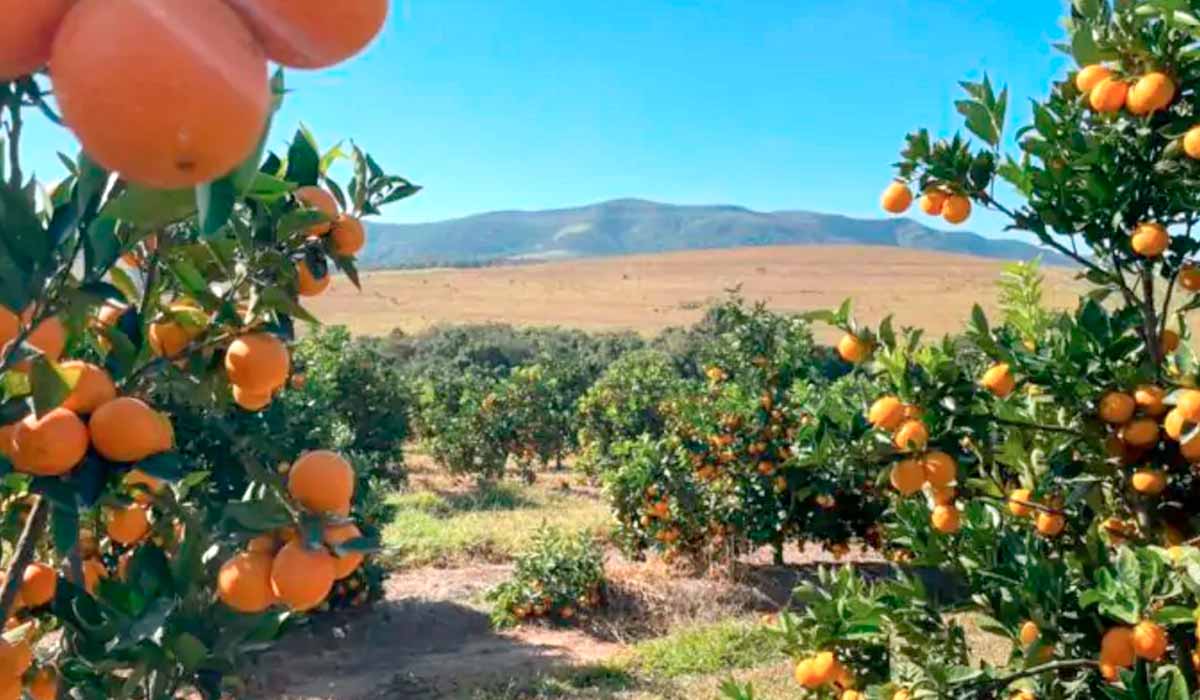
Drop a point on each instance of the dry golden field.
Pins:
(646, 293)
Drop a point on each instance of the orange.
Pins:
(1152, 92)
(896, 198)
(999, 380)
(6, 440)
(1029, 633)
(911, 435)
(128, 430)
(1189, 276)
(945, 519)
(1017, 501)
(309, 285)
(908, 476)
(257, 362)
(302, 578)
(852, 349)
(193, 60)
(127, 526)
(44, 685)
(92, 389)
(142, 485)
(1168, 342)
(1089, 76)
(27, 34)
(1050, 524)
(902, 694)
(348, 236)
(337, 534)
(1149, 399)
(886, 413)
(1149, 640)
(93, 571)
(1140, 432)
(50, 338)
(38, 585)
(944, 495)
(51, 446)
(1116, 648)
(262, 544)
(940, 469)
(1149, 240)
(1116, 407)
(312, 33)
(957, 209)
(824, 667)
(244, 582)
(1108, 95)
(932, 202)
(10, 325)
(1109, 672)
(15, 659)
(805, 675)
(853, 695)
(249, 400)
(322, 481)
(312, 197)
(1191, 449)
(1191, 146)
(1173, 424)
(1150, 482)
(172, 336)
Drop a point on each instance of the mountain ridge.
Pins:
(633, 226)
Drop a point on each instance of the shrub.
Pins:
(559, 577)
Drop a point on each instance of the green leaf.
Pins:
(50, 386)
(151, 209)
(189, 650)
(303, 161)
(165, 465)
(979, 121)
(1175, 615)
(258, 516)
(101, 248)
(64, 526)
(1083, 46)
(215, 201)
(277, 299)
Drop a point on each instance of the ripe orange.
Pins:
(1140, 432)
(908, 476)
(911, 435)
(1150, 482)
(824, 667)
(193, 60)
(142, 485)
(1116, 407)
(50, 337)
(128, 430)
(15, 659)
(302, 578)
(1191, 450)
(249, 400)
(93, 571)
(1149, 399)
(1116, 648)
(1149, 240)
(1029, 633)
(902, 694)
(932, 202)
(1017, 501)
(896, 198)
(1168, 342)
(92, 389)
(44, 684)
(312, 197)
(312, 33)
(805, 675)
(38, 585)
(944, 495)
(6, 440)
(1050, 524)
(309, 285)
(1149, 640)
(1152, 92)
(170, 337)
(1189, 276)
(257, 362)
(957, 209)
(348, 235)
(945, 519)
(886, 413)
(337, 534)
(1108, 95)
(853, 349)
(1109, 672)
(322, 481)
(10, 325)
(940, 469)
(999, 380)
(1089, 76)
(852, 695)
(244, 582)
(1173, 424)
(1191, 146)
(51, 446)
(128, 525)
(27, 34)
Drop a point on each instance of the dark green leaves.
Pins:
(304, 161)
(215, 201)
(985, 111)
(50, 386)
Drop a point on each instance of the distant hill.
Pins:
(630, 226)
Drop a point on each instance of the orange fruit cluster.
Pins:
(200, 64)
(934, 468)
(940, 201)
(16, 662)
(823, 669)
(344, 234)
(1109, 93)
(1122, 646)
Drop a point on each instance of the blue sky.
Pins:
(770, 104)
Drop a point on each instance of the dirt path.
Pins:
(424, 640)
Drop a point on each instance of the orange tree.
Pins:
(136, 564)
(1046, 469)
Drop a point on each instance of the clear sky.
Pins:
(769, 104)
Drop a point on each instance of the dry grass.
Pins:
(647, 293)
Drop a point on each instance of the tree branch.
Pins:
(35, 525)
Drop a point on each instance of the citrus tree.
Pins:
(160, 279)
(1043, 466)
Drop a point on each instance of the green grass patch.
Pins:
(706, 649)
(491, 523)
